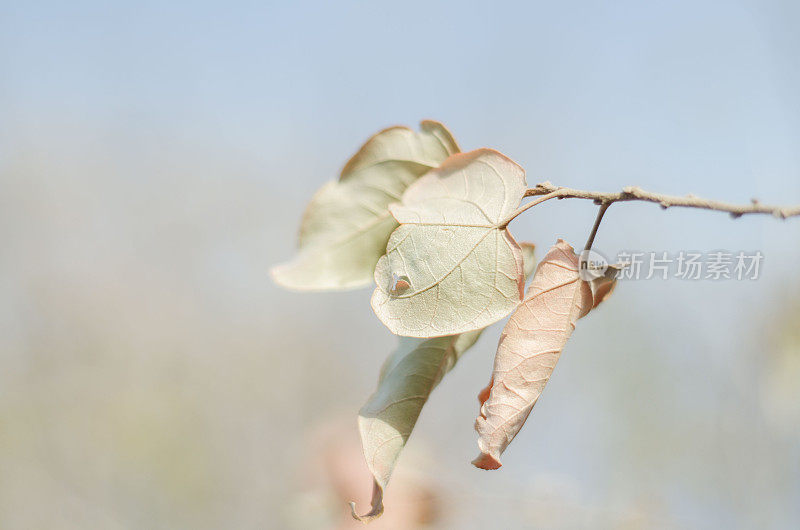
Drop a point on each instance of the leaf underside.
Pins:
(407, 378)
(530, 347)
(346, 225)
(461, 267)
(429, 225)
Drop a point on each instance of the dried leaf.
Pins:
(347, 224)
(603, 287)
(530, 346)
(407, 378)
(461, 267)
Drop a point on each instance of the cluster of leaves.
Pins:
(429, 224)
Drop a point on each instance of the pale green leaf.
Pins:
(347, 224)
(528, 259)
(452, 266)
(406, 380)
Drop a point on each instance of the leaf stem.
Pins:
(600, 213)
(545, 197)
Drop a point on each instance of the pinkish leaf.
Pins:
(530, 346)
(603, 286)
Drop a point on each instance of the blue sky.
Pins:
(677, 96)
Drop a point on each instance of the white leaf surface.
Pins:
(460, 267)
(347, 224)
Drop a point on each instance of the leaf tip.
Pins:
(278, 274)
(367, 518)
(563, 245)
(487, 462)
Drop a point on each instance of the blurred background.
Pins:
(155, 159)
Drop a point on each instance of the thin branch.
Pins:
(600, 213)
(632, 193)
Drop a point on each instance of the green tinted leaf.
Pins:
(528, 258)
(347, 224)
(407, 378)
(461, 270)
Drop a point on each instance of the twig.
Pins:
(633, 193)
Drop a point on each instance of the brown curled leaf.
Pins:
(603, 286)
(530, 346)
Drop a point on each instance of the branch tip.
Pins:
(547, 191)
